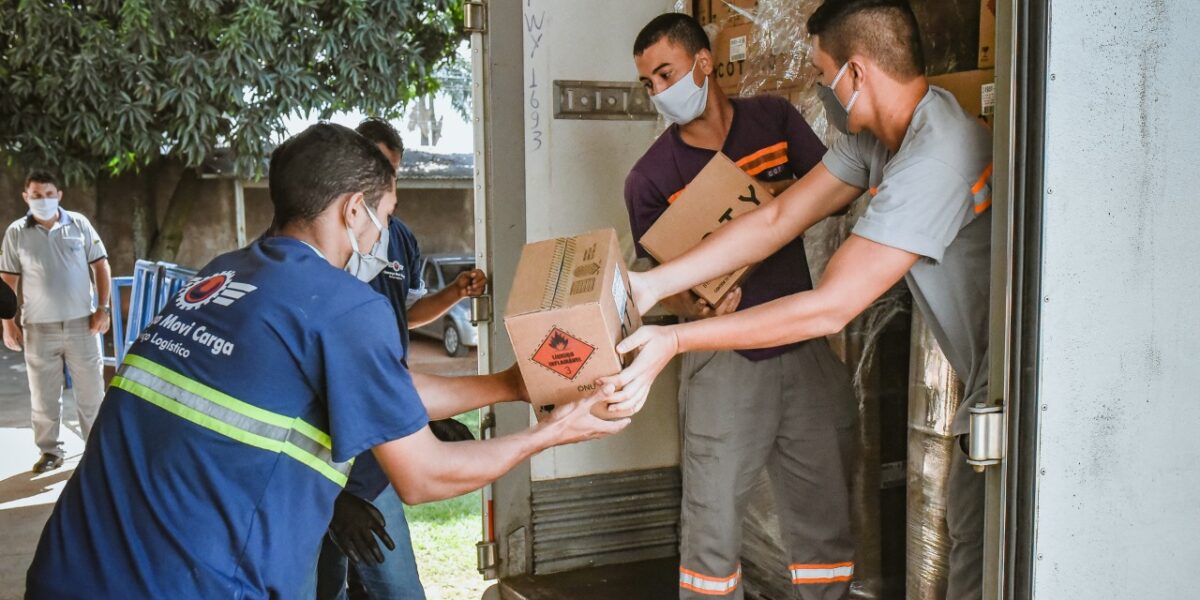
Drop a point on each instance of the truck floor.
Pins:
(647, 580)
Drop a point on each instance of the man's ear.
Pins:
(858, 72)
(707, 63)
(353, 203)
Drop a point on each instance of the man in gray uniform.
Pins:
(50, 257)
(927, 165)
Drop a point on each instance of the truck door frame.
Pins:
(1022, 44)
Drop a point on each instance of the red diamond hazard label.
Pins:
(563, 353)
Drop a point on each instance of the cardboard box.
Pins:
(727, 13)
(721, 192)
(987, 34)
(569, 308)
(975, 91)
(730, 52)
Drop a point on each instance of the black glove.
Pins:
(449, 430)
(354, 522)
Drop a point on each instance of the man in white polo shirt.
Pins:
(50, 257)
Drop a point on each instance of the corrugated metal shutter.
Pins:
(605, 519)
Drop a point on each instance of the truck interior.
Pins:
(600, 520)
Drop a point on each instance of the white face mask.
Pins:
(43, 209)
(684, 100)
(367, 266)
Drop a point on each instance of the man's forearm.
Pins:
(858, 273)
(432, 307)
(462, 467)
(445, 397)
(787, 320)
(753, 237)
(103, 275)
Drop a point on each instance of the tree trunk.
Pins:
(144, 219)
(179, 210)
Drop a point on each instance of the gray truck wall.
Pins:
(1118, 456)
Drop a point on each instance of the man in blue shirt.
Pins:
(368, 508)
(228, 432)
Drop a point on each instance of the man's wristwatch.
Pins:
(107, 310)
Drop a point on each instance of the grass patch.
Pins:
(444, 535)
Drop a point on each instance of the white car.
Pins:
(455, 329)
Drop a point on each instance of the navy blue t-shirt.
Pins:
(401, 277)
(220, 446)
(770, 141)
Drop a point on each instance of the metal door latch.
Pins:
(986, 441)
(486, 552)
(474, 17)
(481, 309)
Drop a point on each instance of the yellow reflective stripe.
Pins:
(312, 433)
(319, 465)
(228, 416)
(195, 416)
(229, 402)
(251, 439)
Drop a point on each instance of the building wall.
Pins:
(441, 219)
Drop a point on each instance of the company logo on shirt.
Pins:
(219, 288)
(395, 270)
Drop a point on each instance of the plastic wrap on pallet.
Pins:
(778, 58)
(934, 395)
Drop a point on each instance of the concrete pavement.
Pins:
(25, 498)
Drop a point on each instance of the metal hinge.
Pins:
(481, 309)
(474, 16)
(986, 440)
(487, 559)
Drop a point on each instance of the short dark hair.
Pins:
(884, 30)
(313, 168)
(41, 176)
(676, 27)
(381, 132)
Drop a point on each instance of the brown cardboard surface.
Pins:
(569, 308)
(730, 51)
(987, 34)
(721, 192)
(973, 89)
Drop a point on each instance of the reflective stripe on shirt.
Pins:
(230, 417)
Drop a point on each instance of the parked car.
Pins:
(455, 329)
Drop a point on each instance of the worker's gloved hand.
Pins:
(355, 525)
(449, 430)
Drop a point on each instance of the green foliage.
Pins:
(113, 85)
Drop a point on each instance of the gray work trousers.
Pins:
(964, 519)
(792, 414)
(48, 346)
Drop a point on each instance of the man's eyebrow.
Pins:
(659, 67)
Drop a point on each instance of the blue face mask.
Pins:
(367, 266)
